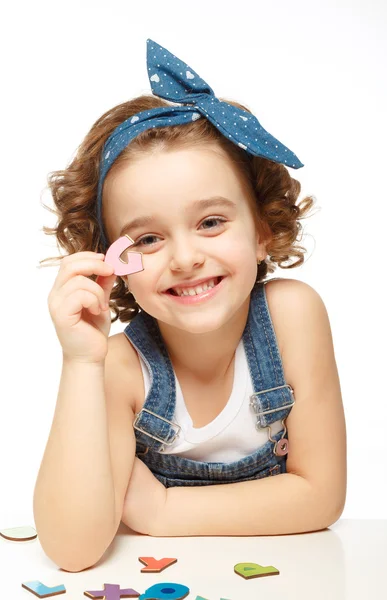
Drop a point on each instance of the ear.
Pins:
(261, 252)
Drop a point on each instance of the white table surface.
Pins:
(348, 561)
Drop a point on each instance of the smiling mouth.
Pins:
(217, 280)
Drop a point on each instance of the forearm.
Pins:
(282, 504)
(74, 503)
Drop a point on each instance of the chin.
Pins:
(196, 324)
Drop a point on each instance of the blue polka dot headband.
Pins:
(172, 79)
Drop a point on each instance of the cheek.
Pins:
(238, 251)
(145, 279)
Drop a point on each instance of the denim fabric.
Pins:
(266, 371)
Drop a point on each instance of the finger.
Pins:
(106, 283)
(84, 267)
(77, 283)
(82, 299)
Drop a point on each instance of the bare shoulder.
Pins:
(123, 370)
(288, 300)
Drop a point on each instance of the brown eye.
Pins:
(209, 219)
(140, 242)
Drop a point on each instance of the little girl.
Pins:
(217, 411)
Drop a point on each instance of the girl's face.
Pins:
(185, 238)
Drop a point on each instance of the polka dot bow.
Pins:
(172, 79)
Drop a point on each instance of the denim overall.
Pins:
(271, 401)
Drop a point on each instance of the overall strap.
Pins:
(152, 425)
(273, 398)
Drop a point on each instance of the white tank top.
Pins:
(232, 434)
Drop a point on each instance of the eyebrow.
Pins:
(197, 204)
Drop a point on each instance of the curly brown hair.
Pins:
(74, 192)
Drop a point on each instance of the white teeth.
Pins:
(197, 290)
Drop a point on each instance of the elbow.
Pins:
(318, 520)
(324, 507)
(75, 562)
(73, 545)
(328, 520)
(72, 554)
(76, 568)
(70, 560)
(328, 513)
(335, 514)
(337, 504)
(72, 567)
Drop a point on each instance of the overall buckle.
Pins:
(176, 433)
(253, 403)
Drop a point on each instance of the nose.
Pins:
(186, 255)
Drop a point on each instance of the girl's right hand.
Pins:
(76, 306)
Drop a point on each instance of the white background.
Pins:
(314, 74)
